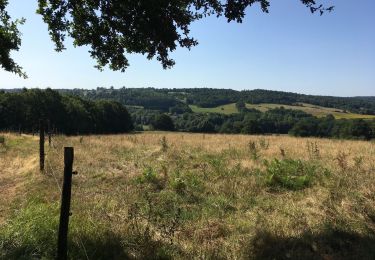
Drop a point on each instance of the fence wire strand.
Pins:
(55, 145)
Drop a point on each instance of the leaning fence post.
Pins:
(41, 145)
(62, 242)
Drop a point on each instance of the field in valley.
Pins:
(314, 110)
(183, 196)
(224, 109)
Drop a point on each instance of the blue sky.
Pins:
(288, 49)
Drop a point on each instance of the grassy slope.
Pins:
(313, 109)
(225, 109)
(202, 196)
(308, 108)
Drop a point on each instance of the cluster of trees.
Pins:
(163, 122)
(251, 121)
(148, 98)
(276, 121)
(22, 111)
(329, 127)
(179, 99)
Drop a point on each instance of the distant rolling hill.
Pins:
(223, 100)
(318, 111)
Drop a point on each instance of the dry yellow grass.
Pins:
(205, 196)
(17, 161)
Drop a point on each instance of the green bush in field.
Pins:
(290, 174)
(2, 140)
(151, 178)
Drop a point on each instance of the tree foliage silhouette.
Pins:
(163, 122)
(10, 40)
(112, 28)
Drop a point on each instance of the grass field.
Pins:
(317, 111)
(183, 196)
(225, 109)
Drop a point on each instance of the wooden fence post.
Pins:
(49, 133)
(62, 242)
(41, 145)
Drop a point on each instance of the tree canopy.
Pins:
(21, 111)
(113, 28)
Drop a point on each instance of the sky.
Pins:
(288, 49)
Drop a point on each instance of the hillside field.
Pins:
(191, 196)
(315, 110)
(224, 109)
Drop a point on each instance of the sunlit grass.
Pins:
(314, 110)
(179, 195)
(224, 109)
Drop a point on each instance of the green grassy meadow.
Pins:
(224, 109)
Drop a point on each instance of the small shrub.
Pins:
(313, 150)
(179, 185)
(254, 151)
(264, 143)
(187, 184)
(290, 174)
(149, 176)
(158, 215)
(342, 160)
(282, 152)
(164, 144)
(2, 140)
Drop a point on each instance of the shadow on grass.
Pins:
(107, 246)
(331, 244)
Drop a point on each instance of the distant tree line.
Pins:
(251, 121)
(22, 111)
(166, 99)
(84, 111)
(329, 127)
(148, 98)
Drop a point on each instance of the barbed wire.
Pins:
(53, 174)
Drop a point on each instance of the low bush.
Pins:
(254, 151)
(150, 177)
(290, 174)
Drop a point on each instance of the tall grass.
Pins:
(213, 197)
